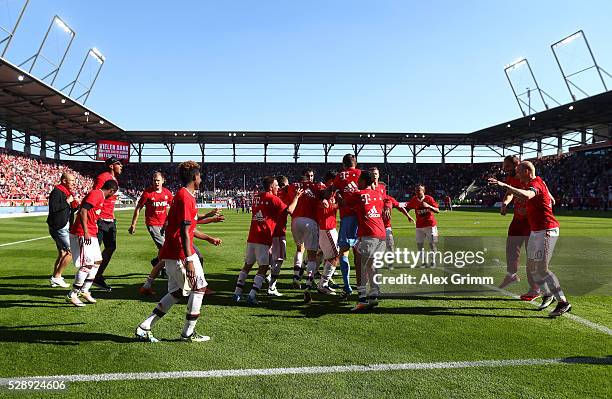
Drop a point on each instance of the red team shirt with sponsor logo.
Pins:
(183, 208)
(267, 208)
(95, 198)
(108, 210)
(281, 223)
(520, 205)
(326, 217)
(156, 205)
(309, 200)
(346, 183)
(424, 216)
(368, 205)
(539, 208)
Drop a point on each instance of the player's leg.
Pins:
(328, 243)
(346, 240)
(311, 242)
(389, 244)
(107, 234)
(550, 279)
(432, 236)
(143, 331)
(534, 289)
(420, 236)
(371, 271)
(363, 247)
(194, 304)
(279, 253)
(157, 235)
(249, 261)
(62, 243)
(298, 231)
(147, 287)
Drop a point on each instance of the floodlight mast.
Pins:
(541, 92)
(97, 55)
(11, 34)
(566, 78)
(59, 22)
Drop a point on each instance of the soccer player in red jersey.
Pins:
(328, 237)
(185, 272)
(368, 205)
(267, 207)
(84, 242)
(518, 231)
(304, 226)
(426, 226)
(447, 203)
(107, 224)
(544, 234)
(156, 200)
(278, 252)
(392, 204)
(346, 183)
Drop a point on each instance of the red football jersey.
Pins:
(368, 205)
(156, 205)
(267, 207)
(183, 209)
(281, 223)
(309, 200)
(520, 205)
(346, 183)
(424, 216)
(390, 202)
(326, 217)
(108, 210)
(539, 208)
(95, 198)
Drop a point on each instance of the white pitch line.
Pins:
(19, 242)
(570, 316)
(305, 370)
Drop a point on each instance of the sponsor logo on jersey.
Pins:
(373, 213)
(259, 217)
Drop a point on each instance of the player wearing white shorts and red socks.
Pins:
(393, 204)
(328, 237)
(185, 273)
(267, 207)
(368, 205)
(278, 252)
(304, 226)
(426, 226)
(84, 246)
(543, 237)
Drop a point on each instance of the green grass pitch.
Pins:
(42, 335)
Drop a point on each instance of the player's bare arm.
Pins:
(525, 194)
(212, 219)
(404, 212)
(205, 237)
(508, 196)
(84, 217)
(139, 205)
(187, 251)
(431, 207)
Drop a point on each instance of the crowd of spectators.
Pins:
(576, 180)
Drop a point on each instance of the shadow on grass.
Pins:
(55, 337)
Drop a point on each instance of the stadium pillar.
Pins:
(443, 153)
(265, 152)
(27, 146)
(202, 150)
(56, 154)
(559, 144)
(472, 153)
(583, 138)
(8, 142)
(234, 151)
(521, 151)
(414, 153)
(539, 154)
(43, 146)
(140, 148)
(296, 155)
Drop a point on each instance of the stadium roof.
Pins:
(28, 104)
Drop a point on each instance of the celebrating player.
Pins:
(518, 231)
(62, 205)
(346, 183)
(267, 207)
(392, 204)
(368, 205)
(278, 252)
(426, 226)
(84, 242)
(107, 224)
(304, 226)
(544, 234)
(328, 237)
(185, 272)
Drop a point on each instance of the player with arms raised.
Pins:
(543, 237)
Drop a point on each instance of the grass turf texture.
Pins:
(41, 335)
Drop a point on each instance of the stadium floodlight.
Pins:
(20, 78)
(508, 125)
(100, 59)
(10, 33)
(571, 107)
(570, 76)
(533, 118)
(101, 122)
(63, 101)
(521, 68)
(56, 21)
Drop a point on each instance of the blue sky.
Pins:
(433, 66)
